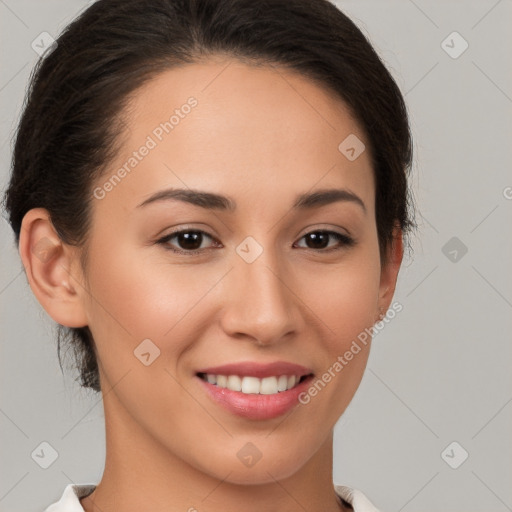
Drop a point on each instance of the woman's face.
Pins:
(258, 289)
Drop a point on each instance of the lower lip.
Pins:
(255, 406)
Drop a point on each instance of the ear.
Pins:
(52, 269)
(389, 270)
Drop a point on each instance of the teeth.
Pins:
(282, 383)
(250, 385)
(234, 383)
(253, 385)
(268, 386)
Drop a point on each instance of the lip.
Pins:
(252, 369)
(255, 406)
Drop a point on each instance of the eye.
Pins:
(188, 240)
(319, 240)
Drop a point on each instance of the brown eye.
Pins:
(190, 241)
(187, 241)
(319, 240)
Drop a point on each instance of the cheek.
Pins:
(143, 297)
(345, 297)
(345, 300)
(137, 297)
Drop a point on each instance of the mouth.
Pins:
(251, 385)
(255, 391)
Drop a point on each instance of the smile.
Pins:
(254, 385)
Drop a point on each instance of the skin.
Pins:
(260, 135)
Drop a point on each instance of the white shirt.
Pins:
(70, 500)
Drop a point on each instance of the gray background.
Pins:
(438, 373)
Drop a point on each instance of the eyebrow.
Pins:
(211, 201)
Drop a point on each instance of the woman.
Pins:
(210, 199)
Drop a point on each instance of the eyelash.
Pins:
(345, 241)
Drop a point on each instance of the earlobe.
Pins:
(389, 271)
(50, 267)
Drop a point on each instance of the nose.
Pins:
(261, 305)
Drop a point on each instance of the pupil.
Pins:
(323, 238)
(189, 240)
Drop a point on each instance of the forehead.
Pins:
(238, 129)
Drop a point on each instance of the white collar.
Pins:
(70, 500)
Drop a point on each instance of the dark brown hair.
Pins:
(71, 123)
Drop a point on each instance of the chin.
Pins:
(262, 473)
(248, 466)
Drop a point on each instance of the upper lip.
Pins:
(253, 369)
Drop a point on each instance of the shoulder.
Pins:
(359, 502)
(70, 499)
